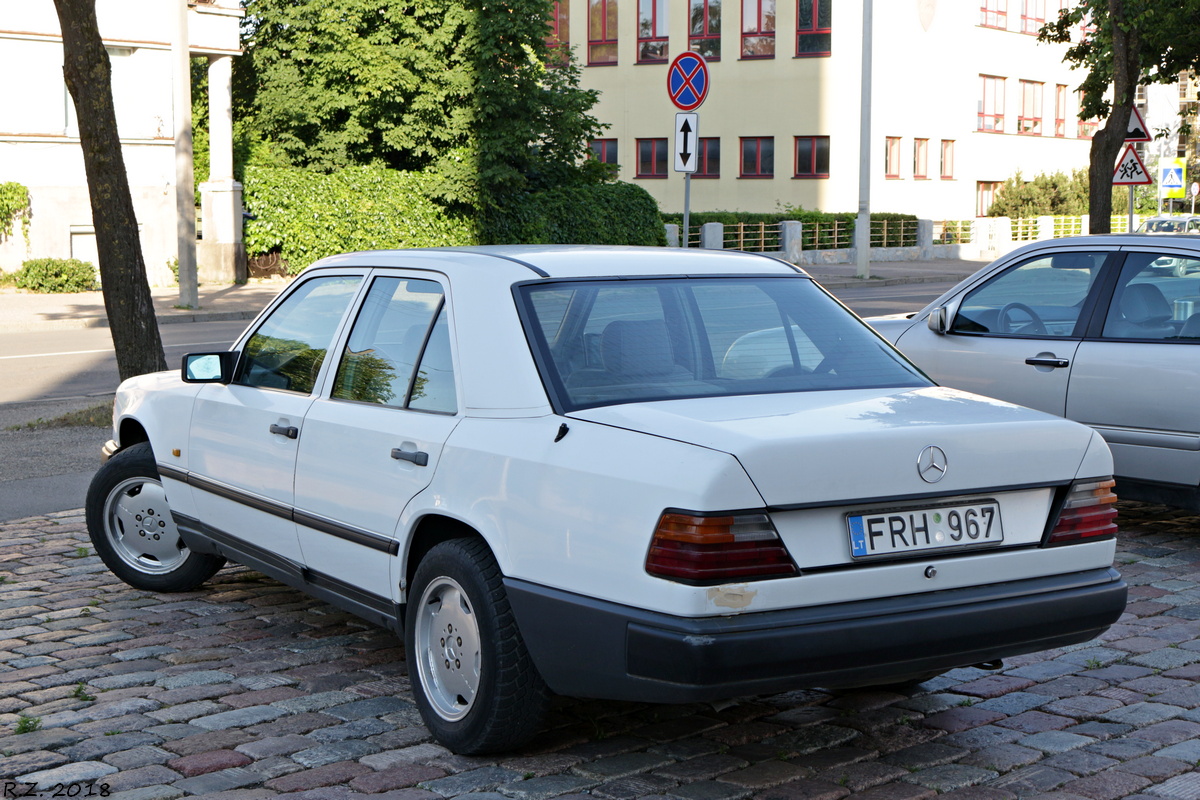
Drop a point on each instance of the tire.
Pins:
(472, 678)
(132, 530)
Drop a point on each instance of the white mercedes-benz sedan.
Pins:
(630, 473)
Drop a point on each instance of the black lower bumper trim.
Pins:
(589, 648)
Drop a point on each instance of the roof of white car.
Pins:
(530, 262)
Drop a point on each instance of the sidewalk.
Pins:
(26, 311)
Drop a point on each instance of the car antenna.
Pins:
(562, 431)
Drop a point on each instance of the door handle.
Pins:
(1042, 361)
(420, 457)
(290, 431)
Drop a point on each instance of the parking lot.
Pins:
(248, 689)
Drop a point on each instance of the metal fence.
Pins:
(953, 231)
(754, 237)
(1026, 230)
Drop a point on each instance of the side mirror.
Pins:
(937, 320)
(208, 367)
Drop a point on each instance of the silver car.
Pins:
(1104, 330)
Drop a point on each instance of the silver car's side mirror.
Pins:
(937, 320)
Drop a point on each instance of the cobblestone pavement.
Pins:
(248, 689)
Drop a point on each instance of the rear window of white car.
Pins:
(601, 342)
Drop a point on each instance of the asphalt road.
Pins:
(44, 374)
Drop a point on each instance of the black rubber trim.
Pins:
(384, 544)
(526, 264)
(365, 538)
(592, 648)
(203, 538)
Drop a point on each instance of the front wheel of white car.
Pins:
(474, 682)
(131, 527)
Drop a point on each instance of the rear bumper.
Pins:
(589, 648)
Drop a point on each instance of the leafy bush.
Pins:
(55, 275)
(305, 215)
(606, 213)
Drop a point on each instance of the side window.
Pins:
(1157, 297)
(287, 350)
(1042, 297)
(433, 388)
(379, 362)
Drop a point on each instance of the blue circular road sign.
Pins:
(687, 81)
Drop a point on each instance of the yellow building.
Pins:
(963, 97)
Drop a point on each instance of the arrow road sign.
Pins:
(687, 81)
(1130, 170)
(687, 142)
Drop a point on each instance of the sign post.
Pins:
(1131, 172)
(687, 86)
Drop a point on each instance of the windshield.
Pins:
(618, 341)
(1163, 226)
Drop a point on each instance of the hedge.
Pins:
(305, 215)
(606, 213)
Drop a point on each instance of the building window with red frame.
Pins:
(812, 157)
(994, 14)
(1060, 110)
(758, 28)
(947, 168)
(558, 40)
(920, 159)
(991, 104)
(604, 150)
(708, 161)
(652, 158)
(652, 32)
(1033, 16)
(758, 156)
(814, 28)
(704, 28)
(985, 195)
(1030, 121)
(891, 157)
(602, 32)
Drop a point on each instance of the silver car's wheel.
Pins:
(447, 637)
(473, 680)
(138, 525)
(131, 527)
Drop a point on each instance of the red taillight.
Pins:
(698, 549)
(1089, 512)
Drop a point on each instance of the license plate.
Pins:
(897, 531)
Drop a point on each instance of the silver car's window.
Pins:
(287, 350)
(1157, 297)
(604, 342)
(379, 361)
(1042, 297)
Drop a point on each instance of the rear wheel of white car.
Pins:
(474, 682)
(131, 527)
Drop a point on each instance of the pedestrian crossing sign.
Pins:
(1173, 178)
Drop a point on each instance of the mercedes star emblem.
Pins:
(931, 464)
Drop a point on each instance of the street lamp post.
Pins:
(862, 225)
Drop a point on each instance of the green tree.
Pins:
(1058, 194)
(1129, 43)
(457, 88)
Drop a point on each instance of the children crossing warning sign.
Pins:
(1130, 170)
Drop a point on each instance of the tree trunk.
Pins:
(1109, 140)
(127, 298)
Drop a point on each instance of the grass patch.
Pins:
(95, 417)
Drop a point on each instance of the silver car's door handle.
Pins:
(1042, 361)
(420, 457)
(290, 431)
